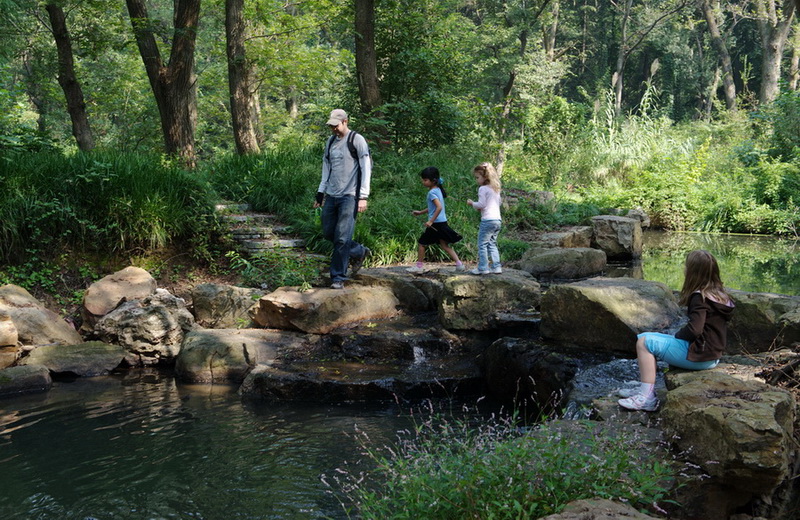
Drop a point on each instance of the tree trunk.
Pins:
(719, 44)
(173, 84)
(240, 80)
(76, 106)
(794, 65)
(712, 93)
(774, 25)
(366, 58)
(621, 58)
(550, 30)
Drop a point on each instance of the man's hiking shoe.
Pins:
(337, 285)
(640, 402)
(357, 262)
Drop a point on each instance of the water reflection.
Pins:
(747, 262)
(147, 448)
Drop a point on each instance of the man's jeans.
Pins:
(338, 224)
(487, 244)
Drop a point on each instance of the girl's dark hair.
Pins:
(702, 274)
(432, 174)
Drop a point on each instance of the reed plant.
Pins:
(447, 468)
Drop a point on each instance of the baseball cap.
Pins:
(337, 116)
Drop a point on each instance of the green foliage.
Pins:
(274, 268)
(784, 116)
(450, 469)
(553, 134)
(107, 202)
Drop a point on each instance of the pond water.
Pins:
(141, 446)
(747, 262)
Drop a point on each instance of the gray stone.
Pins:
(607, 313)
(151, 329)
(320, 311)
(223, 306)
(24, 379)
(598, 509)
(619, 237)
(763, 321)
(104, 295)
(563, 263)
(226, 355)
(575, 236)
(415, 293)
(92, 358)
(473, 302)
(335, 382)
(739, 432)
(35, 324)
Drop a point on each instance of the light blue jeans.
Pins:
(487, 244)
(338, 224)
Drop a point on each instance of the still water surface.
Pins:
(144, 447)
(141, 446)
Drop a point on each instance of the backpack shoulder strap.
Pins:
(328, 148)
(350, 146)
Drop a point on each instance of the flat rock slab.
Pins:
(93, 358)
(320, 311)
(24, 379)
(333, 382)
(226, 355)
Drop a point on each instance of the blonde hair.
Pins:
(702, 275)
(490, 174)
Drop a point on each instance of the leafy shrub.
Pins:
(275, 268)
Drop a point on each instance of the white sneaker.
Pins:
(627, 392)
(415, 270)
(497, 270)
(461, 267)
(478, 271)
(640, 402)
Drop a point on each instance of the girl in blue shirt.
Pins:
(436, 229)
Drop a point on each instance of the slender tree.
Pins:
(366, 58)
(711, 12)
(243, 95)
(76, 106)
(173, 84)
(774, 19)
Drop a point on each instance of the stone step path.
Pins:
(256, 232)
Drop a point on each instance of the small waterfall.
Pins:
(419, 355)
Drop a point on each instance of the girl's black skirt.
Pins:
(439, 231)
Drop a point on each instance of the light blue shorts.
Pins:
(673, 350)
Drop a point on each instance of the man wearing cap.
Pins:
(342, 176)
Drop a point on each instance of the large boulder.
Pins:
(574, 236)
(471, 302)
(226, 355)
(92, 358)
(619, 237)
(151, 329)
(607, 313)
(740, 433)
(223, 306)
(563, 263)
(320, 311)
(415, 293)
(24, 379)
(763, 321)
(104, 295)
(35, 324)
(598, 509)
